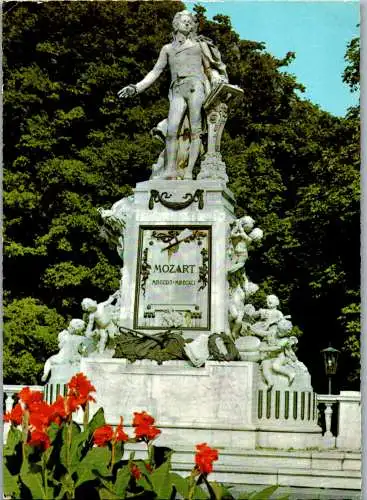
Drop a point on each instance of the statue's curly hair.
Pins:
(177, 19)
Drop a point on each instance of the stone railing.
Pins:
(340, 418)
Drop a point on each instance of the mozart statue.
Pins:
(196, 69)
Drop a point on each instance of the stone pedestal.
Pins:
(224, 403)
(175, 242)
(349, 428)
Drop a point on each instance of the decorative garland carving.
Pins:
(144, 270)
(203, 269)
(156, 197)
(165, 236)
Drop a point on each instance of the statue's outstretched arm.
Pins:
(149, 79)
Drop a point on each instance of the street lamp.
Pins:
(331, 356)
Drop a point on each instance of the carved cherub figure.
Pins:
(277, 350)
(101, 318)
(236, 311)
(268, 317)
(69, 342)
(242, 235)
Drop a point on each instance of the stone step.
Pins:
(301, 469)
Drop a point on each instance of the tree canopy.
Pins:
(70, 146)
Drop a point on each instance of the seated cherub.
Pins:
(69, 342)
(101, 319)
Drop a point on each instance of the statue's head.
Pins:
(284, 327)
(89, 305)
(185, 22)
(63, 337)
(247, 222)
(76, 326)
(272, 301)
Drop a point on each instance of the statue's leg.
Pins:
(195, 102)
(280, 366)
(266, 371)
(175, 117)
(103, 340)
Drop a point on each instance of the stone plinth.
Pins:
(349, 435)
(219, 403)
(183, 277)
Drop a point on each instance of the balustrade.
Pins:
(339, 416)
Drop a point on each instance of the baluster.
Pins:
(9, 401)
(328, 414)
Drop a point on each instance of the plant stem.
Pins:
(69, 436)
(86, 416)
(69, 495)
(150, 454)
(25, 428)
(192, 484)
(112, 456)
(44, 474)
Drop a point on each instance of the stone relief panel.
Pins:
(173, 278)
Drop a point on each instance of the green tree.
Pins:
(71, 146)
(30, 337)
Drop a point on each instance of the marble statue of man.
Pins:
(196, 67)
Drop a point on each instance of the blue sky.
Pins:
(318, 32)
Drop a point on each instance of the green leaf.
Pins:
(11, 483)
(200, 494)
(181, 484)
(67, 487)
(70, 453)
(106, 494)
(119, 450)
(53, 431)
(122, 481)
(95, 461)
(13, 439)
(96, 421)
(220, 491)
(33, 481)
(161, 480)
(264, 494)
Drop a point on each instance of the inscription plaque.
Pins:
(173, 278)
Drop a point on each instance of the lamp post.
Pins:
(331, 356)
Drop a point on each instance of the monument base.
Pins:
(226, 404)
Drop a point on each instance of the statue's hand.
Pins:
(128, 91)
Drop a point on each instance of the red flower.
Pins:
(103, 435)
(58, 410)
(142, 418)
(144, 428)
(14, 416)
(205, 457)
(120, 435)
(147, 432)
(135, 471)
(78, 394)
(31, 399)
(39, 439)
(39, 416)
